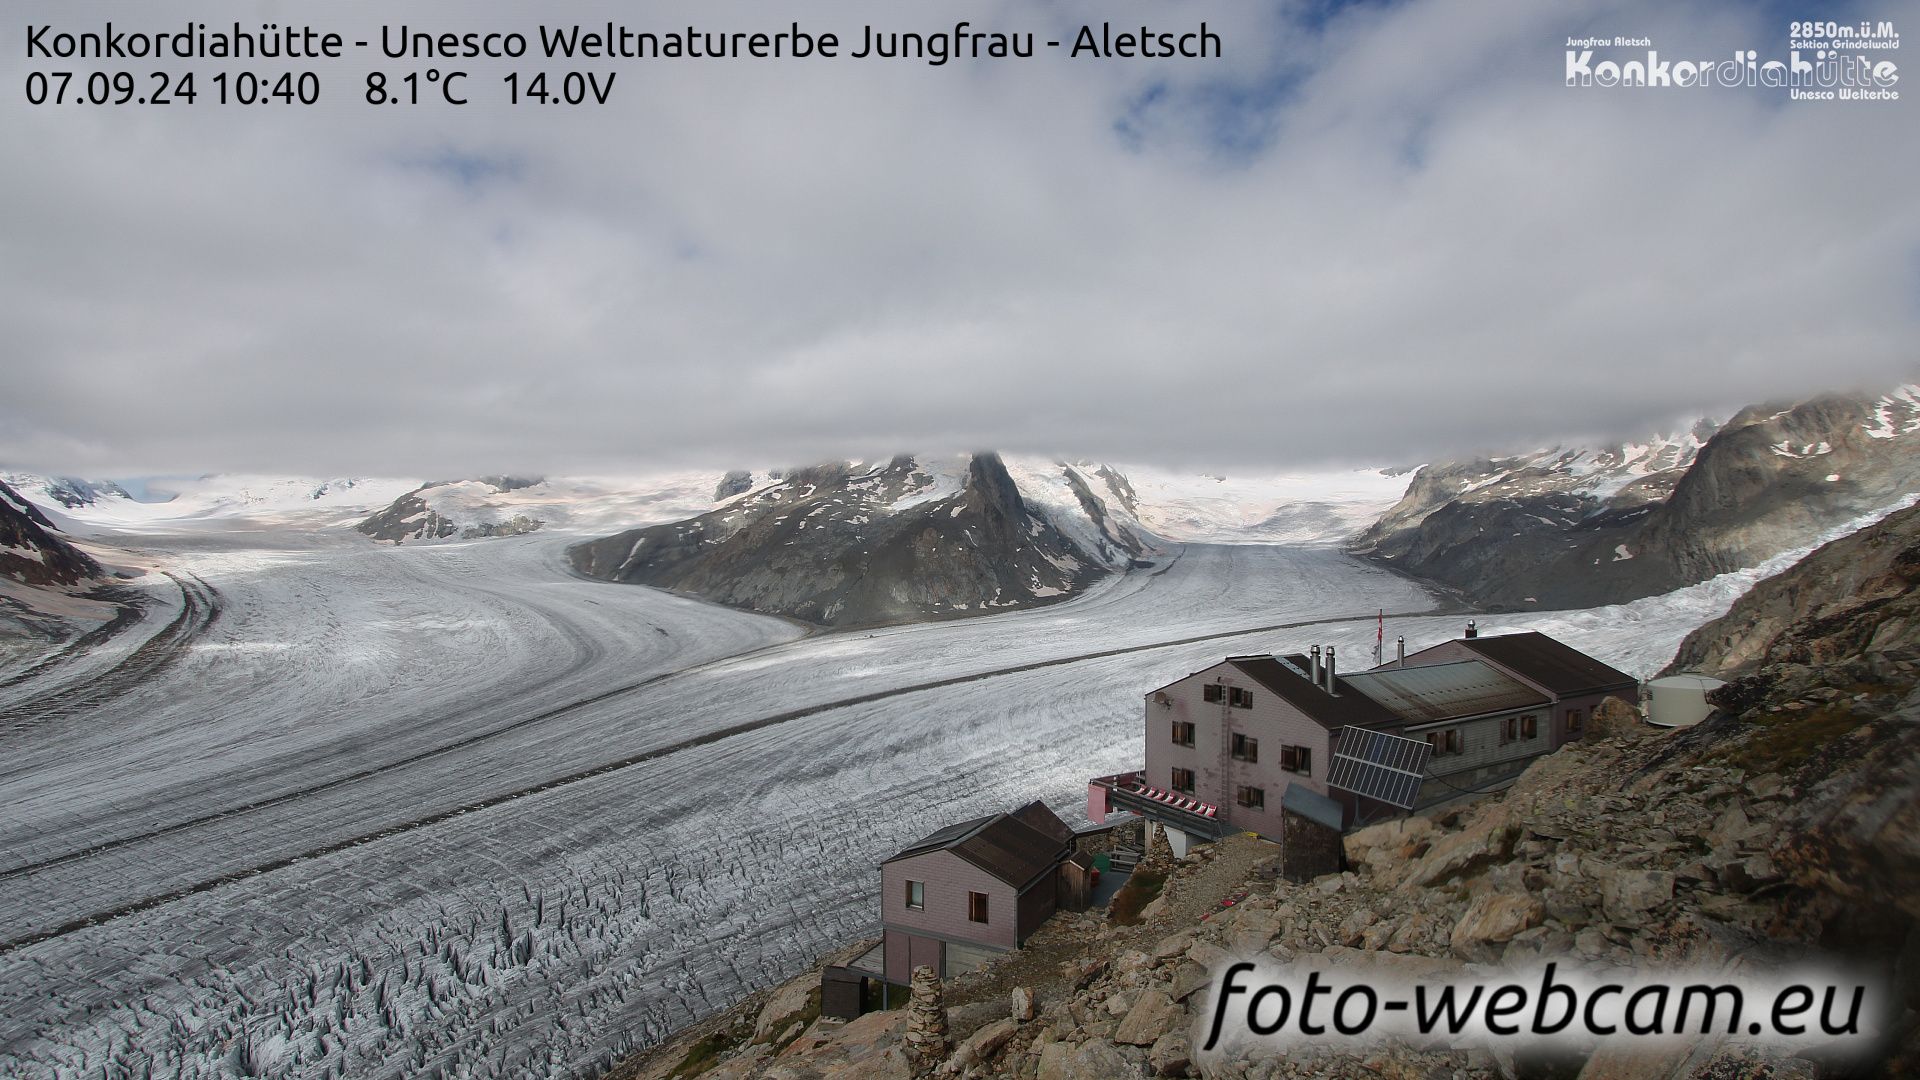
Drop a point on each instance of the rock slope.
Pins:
(1583, 528)
(1851, 598)
(32, 551)
(1784, 828)
(846, 545)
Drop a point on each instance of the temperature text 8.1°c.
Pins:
(434, 85)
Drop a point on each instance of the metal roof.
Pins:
(1040, 817)
(1314, 806)
(1283, 676)
(1564, 670)
(943, 838)
(1003, 845)
(1425, 695)
(1689, 681)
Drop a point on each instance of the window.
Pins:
(1245, 749)
(1212, 692)
(1297, 759)
(977, 907)
(1182, 733)
(1575, 721)
(917, 895)
(1239, 699)
(1182, 781)
(1519, 727)
(1444, 742)
(1253, 798)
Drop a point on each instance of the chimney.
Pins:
(1472, 630)
(1313, 665)
(1400, 653)
(1329, 669)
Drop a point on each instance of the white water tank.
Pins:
(1680, 700)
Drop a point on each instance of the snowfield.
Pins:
(445, 810)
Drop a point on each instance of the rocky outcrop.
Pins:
(1581, 528)
(1851, 598)
(33, 551)
(850, 546)
(408, 518)
(447, 508)
(734, 483)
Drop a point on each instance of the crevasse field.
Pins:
(344, 809)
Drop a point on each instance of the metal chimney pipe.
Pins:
(1329, 672)
(1472, 630)
(1313, 665)
(1400, 653)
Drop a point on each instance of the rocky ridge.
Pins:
(1587, 527)
(847, 545)
(1850, 599)
(32, 551)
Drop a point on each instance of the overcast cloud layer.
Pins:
(1383, 234)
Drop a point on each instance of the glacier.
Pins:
(447, 810)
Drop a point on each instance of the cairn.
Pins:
(926, 1036)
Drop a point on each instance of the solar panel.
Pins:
(1380, 766)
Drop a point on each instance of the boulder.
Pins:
(1353, 928)
(1022, 1000)
(1206, 954)
(1093, 1060)
(1630, 894)
(1171, 1054)
(1734, 828)
(1053, 1060)
(1616, 719)
(1746, 875)
(1487, 842)
(1151, 1016)
(1491, 921)
(1173, 945)
(1188, 978)
(981, 1045)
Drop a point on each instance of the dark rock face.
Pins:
(732, 484)
(1116, 539)
(1582, 528)
(847, 547)
(504, 484)
(1824, 704)
(408, 518)
(31, 549)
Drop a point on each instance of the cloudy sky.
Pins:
(1379, 232)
